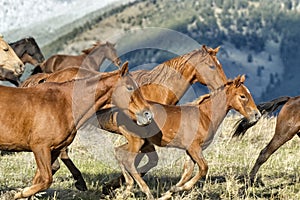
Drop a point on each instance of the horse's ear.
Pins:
(124, 69)
(243, 78)
(204, 48)
(216, 50)
(238, 81)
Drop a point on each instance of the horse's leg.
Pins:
(147, 149)
(43, 178)
(126, 155)
(120, 153)
(283, 133)
(195, 152)
(188, 169)
(80, 183)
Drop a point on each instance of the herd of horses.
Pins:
(43, 113)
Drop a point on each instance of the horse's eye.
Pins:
(212, 67)
(242, 96)
(129, 87)
(6, 49)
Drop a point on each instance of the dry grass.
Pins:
(229, 163)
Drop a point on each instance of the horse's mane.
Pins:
(89, 50)
(162, 71)
(206, 97)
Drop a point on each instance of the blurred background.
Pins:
(257, 38)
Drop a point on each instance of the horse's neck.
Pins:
(171, 76)
(94, 59)
(216, 109)
(88, 95)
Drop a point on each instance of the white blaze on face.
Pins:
(218, 62)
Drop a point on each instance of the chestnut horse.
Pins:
(54, 111)
(10, 64)
(28, 51)
(91, 58)
(190, 127)
(161, 85)
(287, 126)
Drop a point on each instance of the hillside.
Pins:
(257, 38)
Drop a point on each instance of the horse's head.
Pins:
(111, 53)
(33, 51)
(127, 96)
(207, 68)
(240, 99)
(9, 60)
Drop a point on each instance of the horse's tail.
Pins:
(265, 108)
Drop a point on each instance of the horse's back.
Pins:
(59, 62)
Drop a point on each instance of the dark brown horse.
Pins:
(91, 58)
(287, 126)
(53, 112)
(28, 51)
(191, 127)
(10, 64)
(161, 85)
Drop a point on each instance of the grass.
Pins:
(229, 163)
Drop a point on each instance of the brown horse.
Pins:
(91, 58)
(287, 126)
(10, 63)
(161, 85)
(54, 111)
(191, 127)
(28, 51)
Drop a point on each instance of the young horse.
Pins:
(287, 126)
(9, 61)
(91, 58)
(191, 127)
(28, 51)
(54, 112)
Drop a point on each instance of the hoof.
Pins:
(165, 196)
(81, 185)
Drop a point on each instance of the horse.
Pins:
(161, 85)
(28, 51)
(54, 111)
(10, 64)
(190, 127)
(287, 126)
(91, 58)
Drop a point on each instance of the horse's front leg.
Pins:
(80, 183)
(195, 152)
(147, 149)
(127, 155)
(43, 177)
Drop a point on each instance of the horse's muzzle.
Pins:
(144, 118)
(255, 116)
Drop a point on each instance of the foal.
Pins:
(190, 127)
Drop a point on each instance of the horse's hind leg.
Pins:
(43, 178)
(80, 183)
(283, 133)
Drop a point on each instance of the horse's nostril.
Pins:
(257, 115)
(148, 115)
